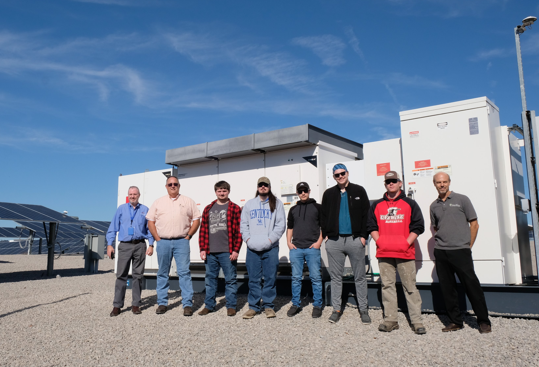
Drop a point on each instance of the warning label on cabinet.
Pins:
(414, 134)
(425, 172)
(422, 164)
(382, 168)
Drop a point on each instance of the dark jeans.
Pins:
(215, 261)
(127, 253)
(262, 264)
(449, 263)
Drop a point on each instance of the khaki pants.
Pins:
(407, 273)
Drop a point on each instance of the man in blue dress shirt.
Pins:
(132, 227)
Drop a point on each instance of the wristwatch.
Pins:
(188, 235)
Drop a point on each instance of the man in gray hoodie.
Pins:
(263, 223)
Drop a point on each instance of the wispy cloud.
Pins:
(403, 79)
(354, 43)
(279, 67)
(493, 53)
(24, 53)
(447, 8)
(327, 47)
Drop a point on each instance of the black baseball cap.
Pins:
(302, 185)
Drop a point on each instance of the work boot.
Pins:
(161, 309)
(115, 311)
(484, 328)
(452, 327)
(136, 310)
(388, 326)
(270, 314)
(317, 312)
(204, 311)
(231, 312)
(249, 314)
(187, 311)
(419, 329)
(293, 310)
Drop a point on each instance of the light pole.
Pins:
(528, 125)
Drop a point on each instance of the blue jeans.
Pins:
(262, 264)
(297, 258)
(213, 263)
(180, 250)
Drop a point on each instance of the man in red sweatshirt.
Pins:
(394, 223)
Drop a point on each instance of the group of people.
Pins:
(344, 221)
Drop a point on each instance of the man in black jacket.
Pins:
(345, 209)
(304, 239)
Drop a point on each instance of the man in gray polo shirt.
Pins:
(454, 219)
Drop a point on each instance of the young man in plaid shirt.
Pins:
(220, 242)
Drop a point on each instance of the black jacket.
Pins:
(358, 204)
(304, 219)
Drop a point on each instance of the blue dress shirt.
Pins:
(122, 221)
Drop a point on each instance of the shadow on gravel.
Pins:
(6, 262)
(42, 304)
(21, 276)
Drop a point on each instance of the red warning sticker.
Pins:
(126, 199)
(422, 164)
(382, 169)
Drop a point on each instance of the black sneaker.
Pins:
(335, 317)
(293, 311)
(317, 312)
(365, 319)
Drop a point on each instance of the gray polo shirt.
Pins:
(451, 217)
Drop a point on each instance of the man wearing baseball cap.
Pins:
(263, 222)
(345, 208)
(395, 221)
(304, 239)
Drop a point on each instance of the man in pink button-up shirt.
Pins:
(173, 219)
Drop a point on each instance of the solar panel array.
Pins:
(33, 213)
(69, 239)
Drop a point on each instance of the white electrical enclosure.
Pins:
(465, 140)
(285, 156)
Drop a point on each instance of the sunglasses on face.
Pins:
(391, 181)
(342, 174)
(263, 184)
(303, 191)
(173, 184)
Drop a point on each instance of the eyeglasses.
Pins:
(173, 184)
(342, 174)
(303, 191)
(263, 184)
(391, 181)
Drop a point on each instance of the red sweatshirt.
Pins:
(394, 220)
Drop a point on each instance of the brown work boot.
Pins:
(136, 310)
(161, 309)
(204, 311)
(231, 312)
(388, 326)
(187, 311)
(452, 327)
(419, 329)
(249, 314)
(270, 314)
(115, 311)
(484, 328)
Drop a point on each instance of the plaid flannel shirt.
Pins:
(233, 219)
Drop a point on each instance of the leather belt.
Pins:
(133, 241)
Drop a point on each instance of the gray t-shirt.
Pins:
(218, 236)
(451, 217)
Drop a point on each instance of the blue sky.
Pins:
(90, 89)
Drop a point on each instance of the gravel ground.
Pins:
(64, 321)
